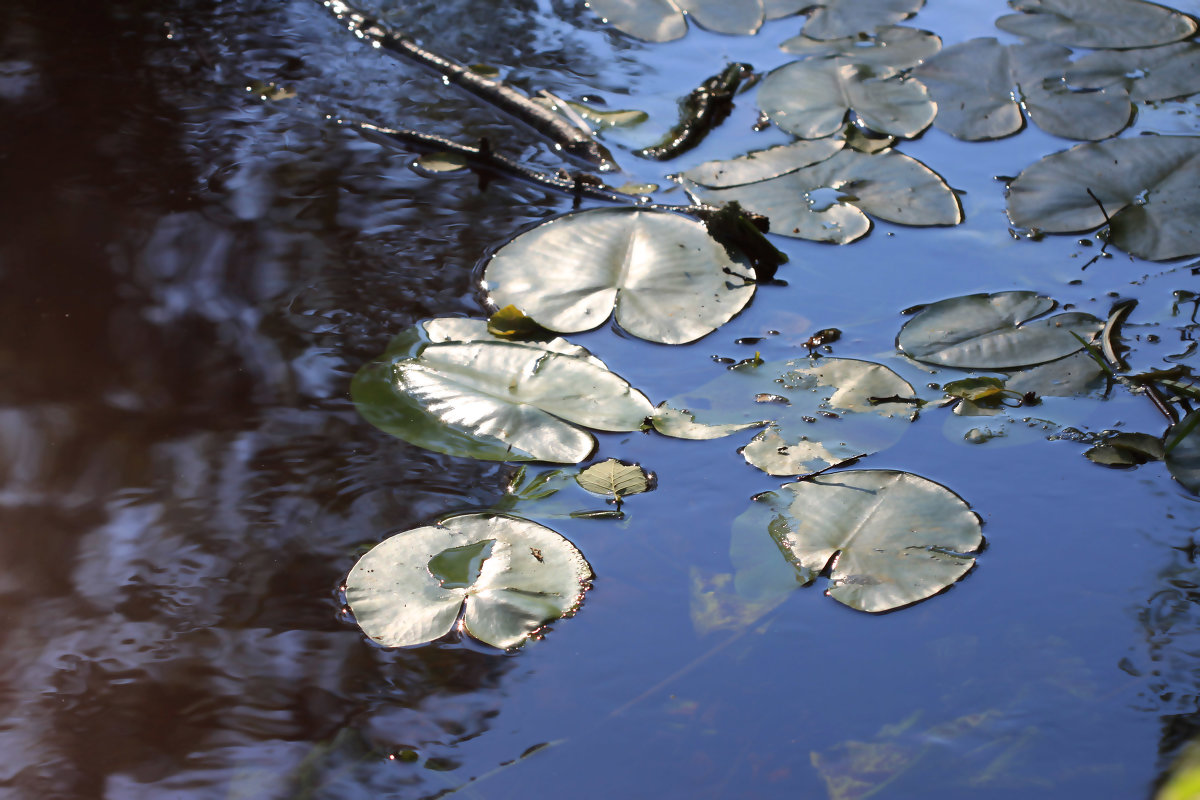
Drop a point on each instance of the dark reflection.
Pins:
(192, 276)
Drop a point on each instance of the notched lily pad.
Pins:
(1148, 186)
(664, 20)
(834, 19)
(666, 278)
(830, 201)
(994, 331)
(893, 46)
(981, 86)
(811, 99)
(499, 579)
(1096, 24)
(888, 539)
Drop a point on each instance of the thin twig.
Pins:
(1092, 195)
(845, 462)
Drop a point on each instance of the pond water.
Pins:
(192, 275)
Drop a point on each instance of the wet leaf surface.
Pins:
(507, 577)
(1097, 23)
(835, 19)
(614, 479)
(894, 46)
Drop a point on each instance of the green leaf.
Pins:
(888, 539)
(977, 390)
(1126, 450)
(1074, 375)
(834, 19)
(614, 479)
(496, 400)
(648, 20)
(1149, 74)
(888, 185)
(601, 117)
(507, 576)
(993, 331)
(1097, 23)
(668, 280)
(892, 46)
(973, 82)
(762, 165)
(1183, 452)
(811, 99)
(1148, 186)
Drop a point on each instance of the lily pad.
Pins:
(762, 165)
(980, 87)
(810, 99)
(994, 331)
(888, 185)
(825, 409)
(668, 280)
(614, 479)
(834, 19)
(894, 46)
(1126, 450)
(888, 539)
(507, 578)
(1147, 74)
(495, 400)
(681, 424)
(664, 20)
(1183, 452)
(1095, 24)
(1148, 186)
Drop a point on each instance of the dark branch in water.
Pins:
(706, 107)
(566, 137)
(845, 462)
(1092, 195)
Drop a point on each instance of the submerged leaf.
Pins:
(508, 577)
(668, 280)
(889, 539)
(834, 19)
(973, 84)
(811, 99)
(1148, 74)
(614, 479)
(1149, 187)
(1097, 23)
(1183, 452)
(993, 331)
(495, 400)
(888, 185)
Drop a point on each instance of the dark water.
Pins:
(190, 277)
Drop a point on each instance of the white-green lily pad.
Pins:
(888, 185)
(1183, 452)
(835, 19)
(648, 20)
(894, 46)
(614, 479)
(495, 400)
(888, 539)
(994, 331)
(825, 410)
(1095, 24)
(762, 165)
(681, 424)
(981, 86)
(1148, 186)
(1147, 74)
(735, 17)
(668, 280)
(810, 99)
(500, 579)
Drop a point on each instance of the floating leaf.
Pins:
(973, 85)
(762, 165)
(511, 322)
(600, 117)
(1097, 23)
(1126, 450)
(811, 99)
(614, 479)
(888, 185)
(993, 331)
(977, 390)
(1074, 375)
(668, 279)
(507, 577)
(1149, 74)
(888, 538)
(892, 46)
(496, 400)
(682, 424)
(826, 410)
(648, 20)
(743, 17)
(1183, 452)
(1148, 186)
(834, 19)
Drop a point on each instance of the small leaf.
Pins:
(993, 331)
(1126, 450)
(614, 479)
(512, 323)
(508, 577)
(976, 390)
(441, 162)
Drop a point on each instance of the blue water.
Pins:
(192, 276)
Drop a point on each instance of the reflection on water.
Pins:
(192, 275)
